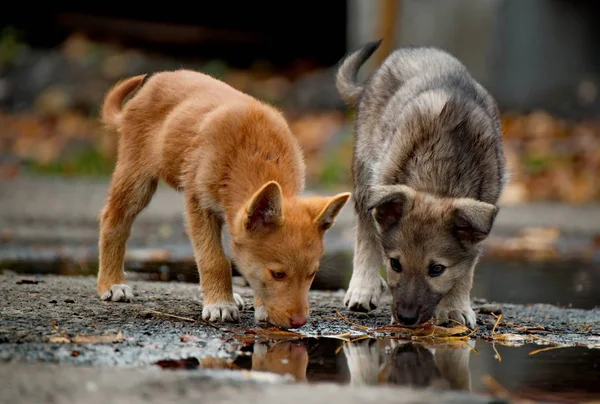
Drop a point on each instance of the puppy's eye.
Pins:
(278, 275)
(312, 275)
(395, 264)
(436, 270)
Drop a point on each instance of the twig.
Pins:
(190, 320)
(362, 327)
(497, 353)
(473, 349)
(496, 325)
(451, 319)
(544, 339)
(350, 341)
(537, 351)
(585, 329)
(459, 337)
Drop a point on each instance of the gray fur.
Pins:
(428, 171)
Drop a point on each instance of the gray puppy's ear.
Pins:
(389, 203)
(472, 220)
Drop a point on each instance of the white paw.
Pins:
(464, 315)
(239, 300)
(363, 295)
(224, 311)
(118, 293)
(260, 314)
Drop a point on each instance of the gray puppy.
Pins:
(428, 170)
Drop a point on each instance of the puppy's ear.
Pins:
(472, 220)
(389, 203)
(264, 211)
(333, 206)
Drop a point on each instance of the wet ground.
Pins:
(59, 343)
(59, 320)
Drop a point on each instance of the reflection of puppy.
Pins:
(366, 360)
(409, 364)
(282, 358)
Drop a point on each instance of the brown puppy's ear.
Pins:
(333, 206)
(472, 220)
(388, 203)
(265, 209)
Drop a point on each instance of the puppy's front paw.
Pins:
(223, 311)
(260, 314)
(118, 293)
(464, 315)
(364, 295)
(239, 300)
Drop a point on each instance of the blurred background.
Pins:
(539, 58)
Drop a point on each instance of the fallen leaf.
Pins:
(189, 338)
(98, 339)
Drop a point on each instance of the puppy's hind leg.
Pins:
(366, 285)
(204, 228)
(129, 193)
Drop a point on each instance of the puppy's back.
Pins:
(424, 121)
(165, 91)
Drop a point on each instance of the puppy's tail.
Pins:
(346, 79)
(111, 109)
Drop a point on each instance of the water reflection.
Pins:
(282, 358)
(408, 364)
(370, 362)
(568, 375)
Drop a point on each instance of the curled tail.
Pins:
(111, 110)
(347, 74)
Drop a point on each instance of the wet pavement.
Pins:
(59, 343)
(54, 320)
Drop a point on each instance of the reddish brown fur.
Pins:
(238, 163)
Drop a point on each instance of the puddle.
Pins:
(559, 375)
(562, 283)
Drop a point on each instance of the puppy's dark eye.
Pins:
(395, 264)
(278, 275)
(436, 270)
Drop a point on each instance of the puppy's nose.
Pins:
(407, 315)
(297, 321)
(408, 320)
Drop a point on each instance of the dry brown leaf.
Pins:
(524, 328)
(98, 339)
(427, 331)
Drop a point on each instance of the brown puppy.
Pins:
(237, 162)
